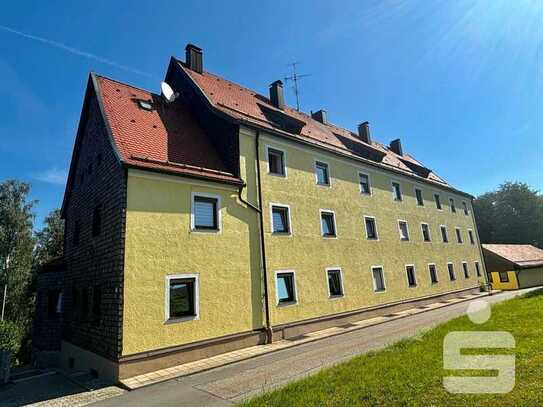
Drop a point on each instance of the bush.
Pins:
(10, 337)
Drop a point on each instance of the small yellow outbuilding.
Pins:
(513, 266)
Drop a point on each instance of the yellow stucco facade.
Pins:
(160, 243)
(511, 284)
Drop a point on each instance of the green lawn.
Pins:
(410, 372)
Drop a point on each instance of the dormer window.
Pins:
(145, 105)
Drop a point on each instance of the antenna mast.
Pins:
(295, 78)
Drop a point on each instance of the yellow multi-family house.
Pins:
(212, 218)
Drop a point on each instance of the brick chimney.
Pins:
(194, 58)
(276, 94)
(319, 116)
(396, 146)
(364, 132)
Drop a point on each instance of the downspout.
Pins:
(268, 327)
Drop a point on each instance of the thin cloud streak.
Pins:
(53, 176)
(75, 51)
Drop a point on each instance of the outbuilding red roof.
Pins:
(245, 104)
(166, 138)
(523, 255)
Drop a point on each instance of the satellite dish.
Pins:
(167, 92)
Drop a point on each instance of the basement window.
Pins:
(280, 219)
(285, 288)
(411, 277)
(504, 277)
(181, 297)
(335, 285)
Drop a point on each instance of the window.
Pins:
(364, 180)
(425, 232)
(437, 199)
(478, 269)
(205, 212)
(328, 224)
(97, 221)
(465, 268)
(378, 279)
(418, 195)
(411, 278)
(321, 172)
(77, 233)
(396, 191)
(181, 297)
(471, 238)
(145, 105)
(458, 235)
(371, 228)
(404, 230)
(280, 219)
(97, 303)
(466, 210)
(453, 207)
(444, 234)
(450, 268)
(285, 287)
(335, 285)
(276, 162)
(54, 303)
(433, 273)
(504, 277)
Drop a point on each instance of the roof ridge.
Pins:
(124, 83)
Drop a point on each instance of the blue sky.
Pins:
(460, 82)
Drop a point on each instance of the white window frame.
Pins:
(329, 185)
(330, 296)
(429, 232)
(440, 201)
(466, 269)
(451, 206)
(415, 189)
(453, 270)
(376, 239)
(196, 315)
(296, 300)
(446, 233)
(414, 273)
(219, 215)
(400, 231)
(392, 182)
(471, 236)
(284, 161)
(280, 205)
(321, 211)
(430, 274)
(369, 183)
(373, 279)
(458, 234)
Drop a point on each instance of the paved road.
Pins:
(229, 384)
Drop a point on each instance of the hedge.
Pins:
(10, 337)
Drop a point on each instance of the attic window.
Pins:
(145, 105)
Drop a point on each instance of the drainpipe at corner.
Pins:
(268, 326)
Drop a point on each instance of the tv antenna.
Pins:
(295, 77)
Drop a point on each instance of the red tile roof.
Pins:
(523, 255)
(167, 138)
(244, 104)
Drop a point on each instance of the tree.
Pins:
(512, 214)
(16, 247)
(49, 240)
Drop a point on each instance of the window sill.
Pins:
(196, 230)
(181, 319)
(287, 304)
(379, 291)
(329, 236)
(336, 297)
(277, 175)
(281, 234)
(324, 185)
